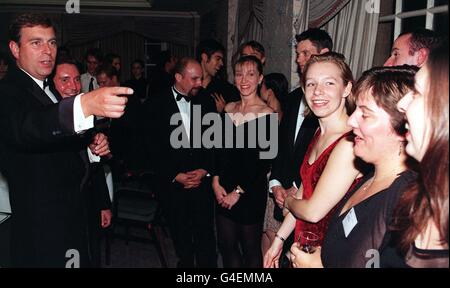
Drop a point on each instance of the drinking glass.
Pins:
(308, 241)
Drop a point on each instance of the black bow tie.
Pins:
(180, 96)
(45, 84)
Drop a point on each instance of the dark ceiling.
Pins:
(201, 6)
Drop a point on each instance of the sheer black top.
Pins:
(244, 165)
(373, 216)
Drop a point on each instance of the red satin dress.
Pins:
(310, 175)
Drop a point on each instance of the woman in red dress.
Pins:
(328, 170)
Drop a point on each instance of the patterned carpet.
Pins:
(138, 254)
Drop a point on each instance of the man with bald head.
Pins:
(413, 48)
(182, 172)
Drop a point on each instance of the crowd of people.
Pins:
(361, 164)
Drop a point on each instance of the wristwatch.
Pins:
(239, 191)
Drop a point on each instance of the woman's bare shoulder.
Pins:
(262, 108)
(231, 107)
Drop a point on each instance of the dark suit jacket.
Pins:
(189, 212)
(41, 158)
(167, 161)
(286, 166)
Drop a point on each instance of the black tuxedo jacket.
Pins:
(167, 161)
(43, 161)
(189, 212)
(286, 166)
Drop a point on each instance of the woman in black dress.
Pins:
(240, 181)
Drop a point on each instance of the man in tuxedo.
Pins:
(42, 154)
(66, 82)
(184, 183)
(296, 131)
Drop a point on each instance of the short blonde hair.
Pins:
(346, 75)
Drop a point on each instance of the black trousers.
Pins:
(5, 250)
(190, 214)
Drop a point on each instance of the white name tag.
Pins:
(349, 222)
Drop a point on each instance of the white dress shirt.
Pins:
(300, 118)
(47, 91)
(185, 111)
(85, 80)
(5, 207)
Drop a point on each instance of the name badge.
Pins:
(349, 222)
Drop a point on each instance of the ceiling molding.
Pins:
(99, 11)
(83, 3)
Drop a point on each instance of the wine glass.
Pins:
(308, 241)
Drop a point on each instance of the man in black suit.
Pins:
(42, 154)
(296, 131)
(182, 171)
(66, 82)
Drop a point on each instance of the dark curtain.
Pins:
(80, 29)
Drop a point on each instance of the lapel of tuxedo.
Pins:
(173, 108)
(293, 122)
(84, 156)
(23, 80)
(41, 96)
(301, 133)
(56, 93)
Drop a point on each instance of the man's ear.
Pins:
(15, 50)
(178, 77)
(422, 56)
(263, 60)
(204, 57)
(324, 50)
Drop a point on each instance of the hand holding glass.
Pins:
(308, 241)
